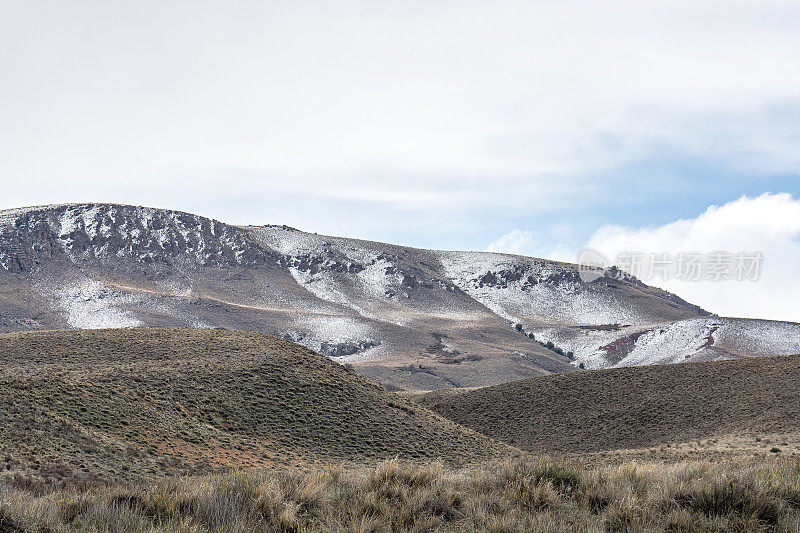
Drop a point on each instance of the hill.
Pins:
(401, 316)
(136, 403)
(634, 407)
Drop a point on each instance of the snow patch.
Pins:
(515, 287)
(92, 305)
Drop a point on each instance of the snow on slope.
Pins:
(356, 300)
(713, 338)
(695, 339)
(91, 305)
(517, 287)
(331, 269)
(672, 343)
(370, 278)
(602, 325)
(343, 338)
(758, 337)
(107, 230)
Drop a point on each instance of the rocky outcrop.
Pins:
(100, 231)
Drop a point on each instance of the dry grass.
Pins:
(141, 403)
(210, 431)
(757, 400)
(536, 495)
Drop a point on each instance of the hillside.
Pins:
(138, 403)
(405, 317)
(634, 407)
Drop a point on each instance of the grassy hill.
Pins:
(137, 403)
(634, 407)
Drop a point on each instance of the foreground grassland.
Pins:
(135, 404)
(148, 430)
(522, 496)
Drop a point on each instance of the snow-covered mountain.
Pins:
(402, 316)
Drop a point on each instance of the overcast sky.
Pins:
(528, 127)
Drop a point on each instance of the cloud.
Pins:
(530, 243)
(514, 105)
(518, 242)
(433, 124)
(768, 224)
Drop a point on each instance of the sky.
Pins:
(527, 127)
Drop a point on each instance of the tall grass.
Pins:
(533, 495)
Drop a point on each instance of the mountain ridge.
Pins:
(406, 317)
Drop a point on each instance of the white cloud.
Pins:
(414, 105)
(519, 242)
(562, 252)
(530, 243)
(769, 224)
(427, 123)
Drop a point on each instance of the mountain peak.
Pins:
(30, 236)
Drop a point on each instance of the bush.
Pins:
(8, 524)
(725, 497)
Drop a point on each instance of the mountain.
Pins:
(137, 403)
(741, 403)
(404, 317)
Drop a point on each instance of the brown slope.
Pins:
(149, 402)
(633, 407)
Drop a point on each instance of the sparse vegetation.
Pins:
(141, 403)
(532, 495)
(209, 431)
(550, 345)
(634, 407)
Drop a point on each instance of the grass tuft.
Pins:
(395, 495)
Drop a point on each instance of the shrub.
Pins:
(725, 497)
(8, 524)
